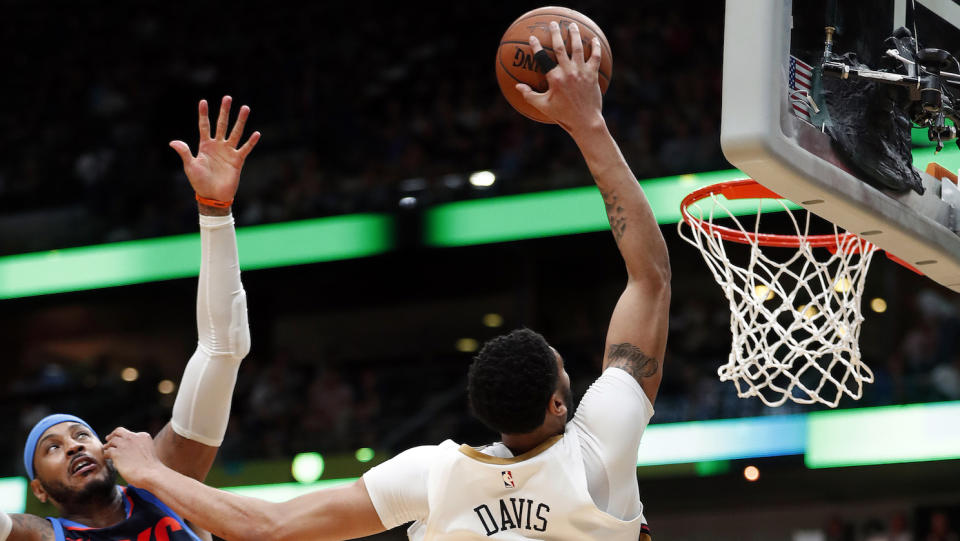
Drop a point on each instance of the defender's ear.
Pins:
(38, 491)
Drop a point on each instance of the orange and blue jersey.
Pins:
(148, 519)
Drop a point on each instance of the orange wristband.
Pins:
(214, 202)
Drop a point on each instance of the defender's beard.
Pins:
(97, 490)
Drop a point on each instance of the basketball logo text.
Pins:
(525, 61)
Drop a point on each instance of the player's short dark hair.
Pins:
(511, 381)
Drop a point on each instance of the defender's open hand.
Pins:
(215, 172)
(574, 99)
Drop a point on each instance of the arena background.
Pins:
(389, 109)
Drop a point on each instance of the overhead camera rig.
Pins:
(922, 72)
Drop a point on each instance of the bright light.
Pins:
(751, 473)
(878, 305)
(467, 345)
(408, 202)
(307, 467)
(493, 320)
(842, 285)
(166, 386)
(483, 179)
(364, 454)
(808, 311)
(762, 292)
(130, 374)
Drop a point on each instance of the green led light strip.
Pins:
(134, 262)
(13, 494)
(885, 435)
(560, 212)
(499, 219)
(949, 157)
(282, 492)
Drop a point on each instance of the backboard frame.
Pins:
(793, 158)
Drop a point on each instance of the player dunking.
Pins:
(551, 477)
(63, 456)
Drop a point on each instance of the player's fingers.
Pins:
(117, 433)
(183, 150)
(595, 54)
(223, 118)
(248, 146)
(204, 120)
(559, 49)
(535, 99)
(576, 45)
(535, 44)
(542, 59)
(237, 131)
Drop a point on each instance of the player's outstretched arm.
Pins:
(332, 514)
(636, 339)
(188, 444)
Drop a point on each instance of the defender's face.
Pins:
(68, 456)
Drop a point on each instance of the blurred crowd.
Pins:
(357, 112)
(925, 524)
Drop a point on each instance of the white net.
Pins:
(794, 312)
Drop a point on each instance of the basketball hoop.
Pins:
(795, 320)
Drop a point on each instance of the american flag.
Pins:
(800, 82)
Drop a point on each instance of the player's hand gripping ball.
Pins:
(516, 63)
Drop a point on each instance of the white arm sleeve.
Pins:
(398, 487)
(6, 524)
(611, 418)
(202, 408)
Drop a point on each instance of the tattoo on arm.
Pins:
(618, 222)
(31, 527)
(632, 360)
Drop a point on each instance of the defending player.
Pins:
(63, 456)
(549, 478)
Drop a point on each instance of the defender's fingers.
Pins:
(204, 120)
(595, 55)
(237, 131)
(183, 150)
(248, 146)
(576, 45)
(224, 117)
(559, 49)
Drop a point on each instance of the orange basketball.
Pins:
(515, 62)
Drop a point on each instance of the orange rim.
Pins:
(750, 189)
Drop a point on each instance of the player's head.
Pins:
(64, 460)
(517, 384)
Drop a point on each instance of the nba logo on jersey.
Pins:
(508, 479)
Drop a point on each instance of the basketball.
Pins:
(515, 62)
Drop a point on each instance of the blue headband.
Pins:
(38, 429)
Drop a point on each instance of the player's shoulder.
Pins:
(616, 393)
(32, 527)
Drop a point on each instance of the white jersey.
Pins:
(575, 486)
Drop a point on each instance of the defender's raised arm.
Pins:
(189, 442)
